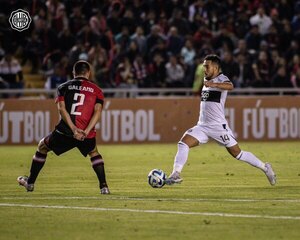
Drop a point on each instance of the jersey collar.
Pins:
(81, 77)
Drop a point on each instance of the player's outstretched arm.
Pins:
(223, 85)
(95, 118)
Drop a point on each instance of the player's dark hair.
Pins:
(81, 67)
(214, 58)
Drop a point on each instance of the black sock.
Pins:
(37, 164)
(98, 166)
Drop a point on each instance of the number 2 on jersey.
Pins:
(79, 97)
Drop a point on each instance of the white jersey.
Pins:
(212, 103)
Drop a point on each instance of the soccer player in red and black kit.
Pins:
(79, 103)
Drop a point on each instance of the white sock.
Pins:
(248, 157)
(181, 156)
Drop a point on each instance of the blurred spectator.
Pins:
(295, 80)
(140, 39)
(264, 46)
(140, 71)
(206, 49)
(253, 39)
(261, 20)
(138, 8)
(39, 17)
(3, 85)
(262, 71)
(272, 37)
(66, 40)
(153, 38)
(101, 69)
(174, 41)
(76, 20)
(86, 36)
(275, 19)
(197, 9)
(188, 52)
(223, 37)
(215, 21)
(58, 77)
(281, 79)
(114, 58)
(107, 39)
(95, 52)
(292, 51)
(123, 38)
(11, 72)
(163, 23)
(242, 25)
(295, 23)
(76, 51)
(202, 36)
(149, 22)
(98, 23)
(285, 9)
(33, 51)
(2, 52)
(157, 72)
(245, 72)
(60, 21)
(242, 50)
(180, 22)
(132, 51)
(113, 22)
(276, 61)
(294, 65)
(174, 73)
(53, 6)
(129, 21)
(159, 48)
(125, 77)
(47, 36)
(230, 67)
(285, 36)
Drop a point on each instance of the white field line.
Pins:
(234, 215)
(155, 199)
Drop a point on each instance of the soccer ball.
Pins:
(157, 178)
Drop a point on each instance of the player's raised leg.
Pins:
(181, 157)
(38, 161)
(251, 159)
(98, 166)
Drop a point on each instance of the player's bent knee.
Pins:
(94, 153)
(182, 144)
(97, 160)
(239, 155)
(234, 151)
(42, 147)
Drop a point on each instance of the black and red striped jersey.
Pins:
(80, 96)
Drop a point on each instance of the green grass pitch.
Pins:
(220, 197)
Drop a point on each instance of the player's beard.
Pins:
(208, 77)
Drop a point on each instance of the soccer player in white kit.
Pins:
(213, 124)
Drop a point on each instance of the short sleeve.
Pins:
(60, 94)
(223, 78)
(100, 97)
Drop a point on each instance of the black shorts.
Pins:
(59, 143)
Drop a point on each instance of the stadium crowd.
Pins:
(154, 43)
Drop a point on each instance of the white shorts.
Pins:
(220, 133)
